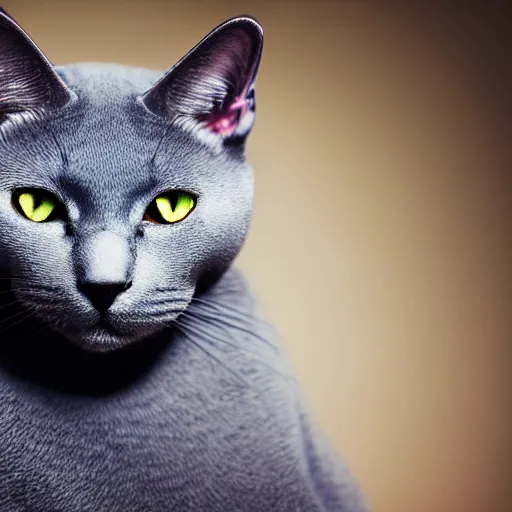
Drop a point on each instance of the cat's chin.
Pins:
(101, 340)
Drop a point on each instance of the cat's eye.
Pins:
(170, 207)
(37, 205)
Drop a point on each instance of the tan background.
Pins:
(381, 238)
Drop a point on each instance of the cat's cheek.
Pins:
(163, 258)
(24, 245)
(37, 250)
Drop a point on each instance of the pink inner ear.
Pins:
(226, 120)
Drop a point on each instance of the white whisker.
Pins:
(183, 329)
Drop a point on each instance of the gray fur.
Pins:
(189, 403)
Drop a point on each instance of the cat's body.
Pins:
(173, 394)
(188, 435)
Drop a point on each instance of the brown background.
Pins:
(381, 242)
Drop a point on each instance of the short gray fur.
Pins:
(185, 401)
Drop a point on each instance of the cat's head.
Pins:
(120, 189)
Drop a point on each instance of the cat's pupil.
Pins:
(38, 199)
(173, 198)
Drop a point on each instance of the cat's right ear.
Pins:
(28, 81)
(211, 89)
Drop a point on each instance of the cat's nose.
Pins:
(104, 262)
(103, 295)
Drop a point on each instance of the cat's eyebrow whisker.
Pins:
(251, 354)
(183, 329)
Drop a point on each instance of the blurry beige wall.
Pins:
(381, 239)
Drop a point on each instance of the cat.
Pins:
(136, 373)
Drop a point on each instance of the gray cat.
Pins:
(135, 371)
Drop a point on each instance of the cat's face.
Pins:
(118, 196)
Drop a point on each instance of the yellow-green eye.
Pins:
(170, 207)
(37, 205)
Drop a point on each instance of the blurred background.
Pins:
(381, 241)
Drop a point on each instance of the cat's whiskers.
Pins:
(20, 344)
(15, 315)
(163, 305)
(11, 290)
(27, 290)
(50, 309)
(30, 314)
(223, 319)
(183, 329)
(240, 313)
(229, 307)
(10, 304)
(227, 341)
(158, 314)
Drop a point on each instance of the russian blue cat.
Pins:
(135, 371)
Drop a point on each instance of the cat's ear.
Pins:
(28, 81)
(212, 87)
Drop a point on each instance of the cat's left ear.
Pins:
(212, 87)
(28, 81)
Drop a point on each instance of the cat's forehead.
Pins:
(106, 109)
(106, 105)
(106, 143)
(108, 125)
(110, 79)
(108, 135)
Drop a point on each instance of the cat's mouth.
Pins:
(106, 326)
(98, 339)
(106, 335)
(128, 321)
(104, 338)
